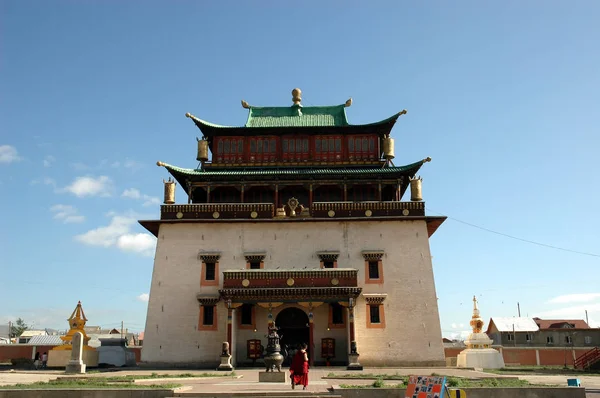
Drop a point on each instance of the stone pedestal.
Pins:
(60, 358)
(273, 377)
(353, 363)
(485, 358)
(76, 365)
(225, 363)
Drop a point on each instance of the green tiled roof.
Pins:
(309, 171)
(293, 116)
(297, 116)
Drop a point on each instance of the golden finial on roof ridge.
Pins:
(245, 105)
(427, 159)
(403, 112)
(160, 164)
(296, 96)
(348, 103)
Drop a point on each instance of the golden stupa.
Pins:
(77, 322)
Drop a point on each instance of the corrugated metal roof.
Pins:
(296, 116)
(45, 340)
(31, 333)
(508, 324)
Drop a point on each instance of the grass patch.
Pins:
(454, 382)
(395, 376)
(555, 370)
(165, 376)
(95, 383)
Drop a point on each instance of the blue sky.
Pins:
(504, 97)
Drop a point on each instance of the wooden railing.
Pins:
(267, 210)
(367, 209)
(587, 359)
(217, 211)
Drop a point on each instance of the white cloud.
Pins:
(8, 154)
(67, 214)
(459, 335)
(132, 165)
(90, 186)
(133, 193)
(144, 297)
(118, 234)
(573, 312)
(138, 243)
(575, 298)
(45, 181)
(454, 326)
(48, 160)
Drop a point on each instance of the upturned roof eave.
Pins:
(211, 129)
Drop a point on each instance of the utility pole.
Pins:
(10, 331)
(586, 318)
(121, 329)
(519, 309)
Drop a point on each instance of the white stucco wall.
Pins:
(412, 335)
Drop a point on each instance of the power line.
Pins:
(517, 238)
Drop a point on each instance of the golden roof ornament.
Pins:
(245, 105)
(348, 103)
(297, 96)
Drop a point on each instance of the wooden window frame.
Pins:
(209, 258)
(368, 278)
(251, 326)
(255, 258)
(206, 282)
(330, 323)
(201, 325)
(381, 323)
(328, 256)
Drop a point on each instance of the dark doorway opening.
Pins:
(293, 326)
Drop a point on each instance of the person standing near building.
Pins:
(44, 360)
(36, 360)
(299, 367)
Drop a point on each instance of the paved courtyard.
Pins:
(246, 380)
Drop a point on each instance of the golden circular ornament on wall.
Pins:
(254, 214)
(405, 212)
(335, 282)
(368, 213)
(179, 215)
(245, 283)
(331, 213)
(290, 282)
(216, 214)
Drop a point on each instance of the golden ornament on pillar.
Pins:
(202, 155)
(415, 189)
(388, 148)
(169, 191)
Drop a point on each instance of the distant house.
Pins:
(536, 332)
(141, 338)
(511, 331)
(28, 334)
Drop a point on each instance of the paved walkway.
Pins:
(246, 380)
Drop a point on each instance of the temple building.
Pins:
(295, 218)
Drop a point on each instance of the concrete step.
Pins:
(256, 394)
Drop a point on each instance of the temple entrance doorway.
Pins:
(293, 326)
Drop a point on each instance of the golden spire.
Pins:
(77, 322)
(476, 322)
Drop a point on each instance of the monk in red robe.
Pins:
(299, 367)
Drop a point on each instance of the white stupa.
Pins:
(479, 352)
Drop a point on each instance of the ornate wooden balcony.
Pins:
(332, 285)
(259, 278)
(217, 211)
(331, 210)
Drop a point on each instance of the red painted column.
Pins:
(351, 322)
(229, 328)
(311, 339)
